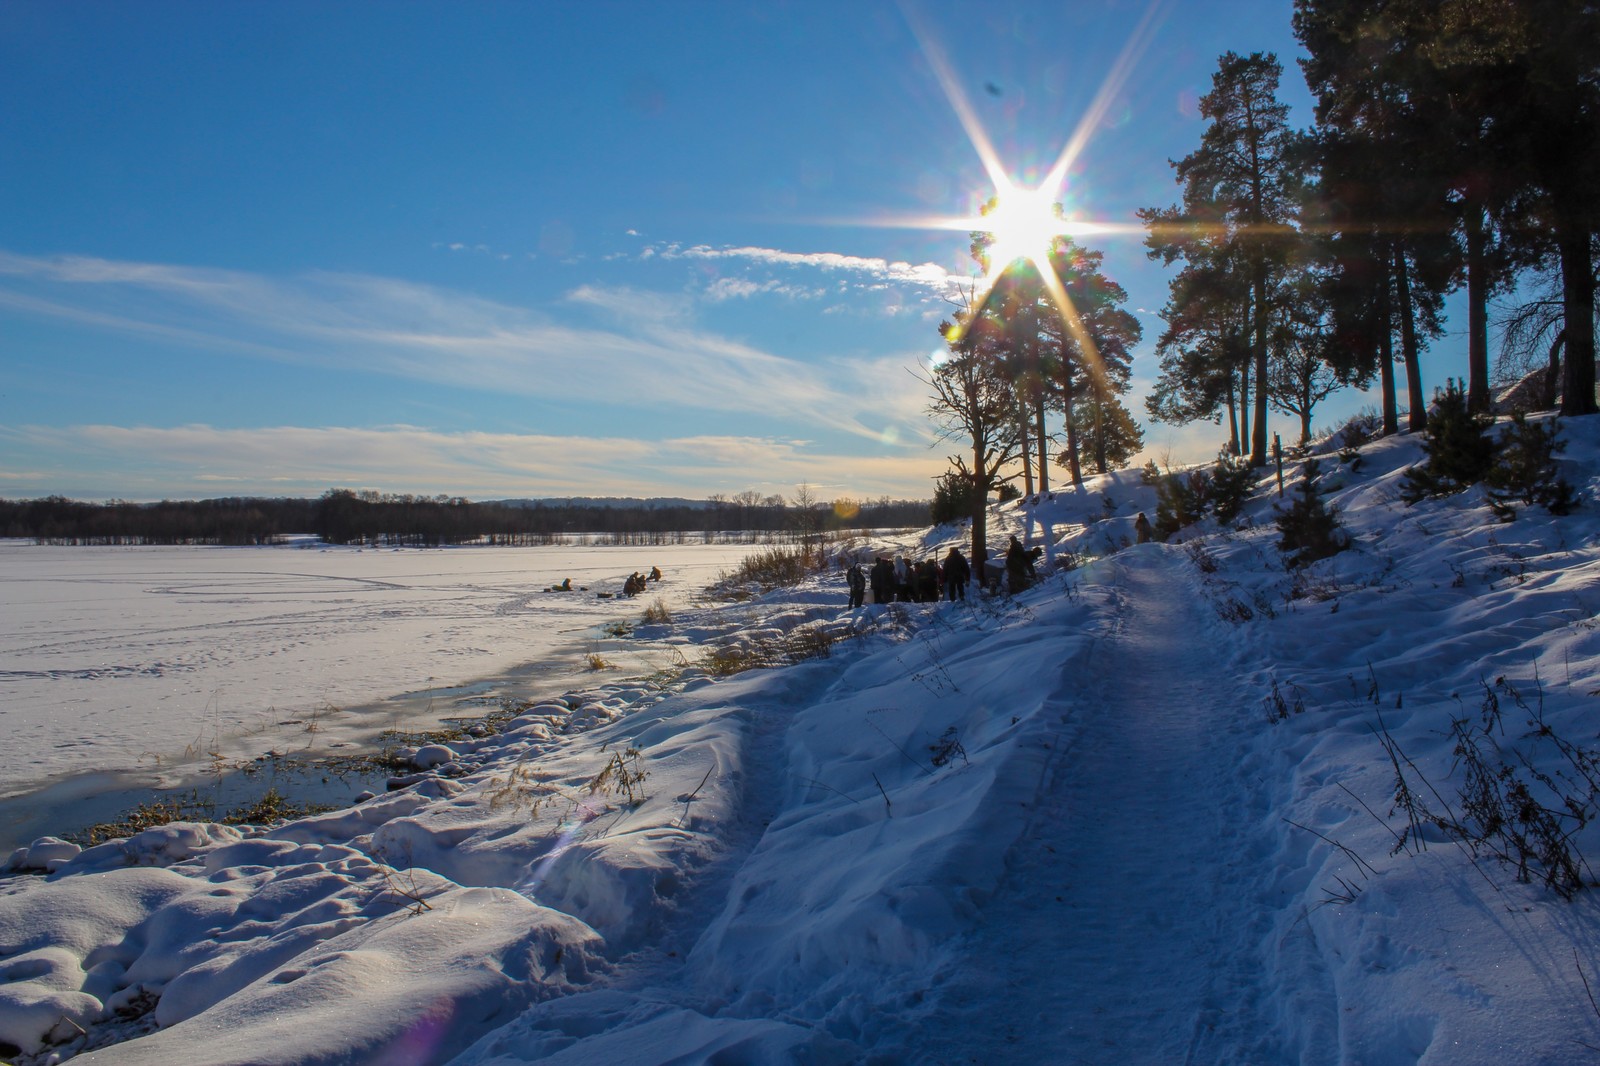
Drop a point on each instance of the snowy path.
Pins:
(1128, 927)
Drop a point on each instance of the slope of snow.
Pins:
(1142, 812)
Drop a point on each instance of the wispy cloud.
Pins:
(929, 277)
(144, 462)
(388, 326)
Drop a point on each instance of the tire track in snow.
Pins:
(1130, 924)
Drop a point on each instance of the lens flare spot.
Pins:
(846, 509)
(890, 435)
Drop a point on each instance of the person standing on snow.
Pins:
(882, 578)
(1017, 566)
(902, 579)
(1141, 528)
(858, 585)
(956, 572)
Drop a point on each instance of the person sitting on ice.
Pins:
(655, 573)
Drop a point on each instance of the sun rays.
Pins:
(1026, 222)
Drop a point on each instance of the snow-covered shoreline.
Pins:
(1143, 812)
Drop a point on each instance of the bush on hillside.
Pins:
(1310, 530)
(1459, 449)
(1525, 468)
(1231, 481)
(1182, 499)
(772, 568)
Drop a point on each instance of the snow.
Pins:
(1141, 812)
(146, 661)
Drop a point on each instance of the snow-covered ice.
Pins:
(149, 659)
(1141, 813)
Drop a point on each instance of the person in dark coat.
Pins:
(956, 573)
(882, 579)
(1018, 566)
(1141, 528)
(858, 584)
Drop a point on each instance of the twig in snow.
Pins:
(911, 758)
(886, 804)
(1374, 814)
(830, 788)
(1587, 990)
(1359, 861)
(690, 797)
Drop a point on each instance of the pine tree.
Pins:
(1310, 530)
(1458, 447)
(1526, 468)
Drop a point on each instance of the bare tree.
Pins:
(973, 402)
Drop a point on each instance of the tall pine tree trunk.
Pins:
(1244, 407)
(1258, 432)
(980, 515)
(1418, 419)
(1044, 444)
(1233, 418)
(1073, 467)
(1386, 390)
(1577, 300)
(1477, 310)
(1027, 448)
(1100, 462)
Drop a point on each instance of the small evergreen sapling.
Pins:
(1525, 468)
(1181, 500)
(1310, 529)
(1231, 481)
(1459, 448)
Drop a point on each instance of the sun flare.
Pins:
(1024, 223)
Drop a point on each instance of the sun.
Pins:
(1023, 223)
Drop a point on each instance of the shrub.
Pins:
(1459, 449)
(1525, 802)
(1309, 530)
(1525, 468)
(1181, 500)
(1231, 481)
(737, 656)
(771, 568)
(657, 613)
(1364, 426)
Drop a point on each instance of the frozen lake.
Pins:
(145, 661)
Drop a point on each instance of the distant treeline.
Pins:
(342, 516)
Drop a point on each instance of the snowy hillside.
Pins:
(1144, 812)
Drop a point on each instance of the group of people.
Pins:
(920, 581)
(637, 582)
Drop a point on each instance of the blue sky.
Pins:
(525, 249)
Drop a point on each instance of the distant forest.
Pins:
(342, 516)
